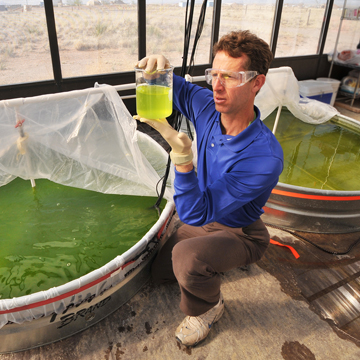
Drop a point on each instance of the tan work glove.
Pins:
(153, 62)
(181, 153)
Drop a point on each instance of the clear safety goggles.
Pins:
(229, 79)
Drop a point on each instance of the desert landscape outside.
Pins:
(104, 39)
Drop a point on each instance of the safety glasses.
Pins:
(229, 79)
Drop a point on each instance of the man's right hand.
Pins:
(153, 62)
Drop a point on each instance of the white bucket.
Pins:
(335, 85)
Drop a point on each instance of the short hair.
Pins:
(237, 43)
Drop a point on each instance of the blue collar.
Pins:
(242, 140)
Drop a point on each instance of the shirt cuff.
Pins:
(185, 180)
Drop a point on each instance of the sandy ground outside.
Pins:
(103, 39)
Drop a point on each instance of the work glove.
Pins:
(181, 153)
(153, 62)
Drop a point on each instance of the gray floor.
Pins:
(262, 320)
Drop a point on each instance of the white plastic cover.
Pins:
(85, 139)
(281, 88)
(346, 57)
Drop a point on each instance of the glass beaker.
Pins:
(154, 93)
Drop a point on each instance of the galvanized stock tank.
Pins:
(318, 210)
(84, 139)
(71, 308)
(312, 210)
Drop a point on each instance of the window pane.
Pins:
(165, 26)
(300, 28)
(350, 29)
(258, 18)
(97, 39)
(24, 45)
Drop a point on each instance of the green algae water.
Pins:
(153, 101)
(325, 156)
(55, 234)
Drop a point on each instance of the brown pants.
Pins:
(195, 257)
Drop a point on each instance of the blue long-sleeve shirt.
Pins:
(235, 174)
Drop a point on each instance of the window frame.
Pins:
(304, 67)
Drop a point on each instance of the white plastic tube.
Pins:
(60, 96)
(277, 119)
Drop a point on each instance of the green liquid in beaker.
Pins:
(324, 156)
(59, 233)
(153, 101)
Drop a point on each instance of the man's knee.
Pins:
(188, 265)
(182, 262)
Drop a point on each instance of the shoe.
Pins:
(194, 329)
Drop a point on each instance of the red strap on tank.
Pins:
(63, 296)
(315, 197)
(295, 253)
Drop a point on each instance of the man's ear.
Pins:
(258, 82)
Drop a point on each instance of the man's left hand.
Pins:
(181, 153)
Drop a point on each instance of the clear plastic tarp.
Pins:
(281, 88)
(346, 57)
(85, 139)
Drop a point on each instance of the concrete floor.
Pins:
(345, 111)
(262, 320)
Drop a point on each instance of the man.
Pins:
(239, 163)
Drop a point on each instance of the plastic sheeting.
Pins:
(281, 88)
(84, 139)
(347, 57)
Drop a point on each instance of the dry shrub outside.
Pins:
(104, 39)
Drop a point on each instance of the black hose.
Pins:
(176, 123)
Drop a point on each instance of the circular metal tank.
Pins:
(314, 210)
(55, 314)
(85, 139)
